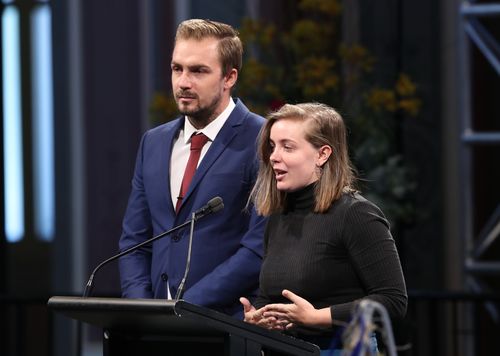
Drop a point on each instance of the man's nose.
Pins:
(184, 81)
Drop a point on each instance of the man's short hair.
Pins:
(230, 47)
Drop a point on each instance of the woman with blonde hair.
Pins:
(326, 247)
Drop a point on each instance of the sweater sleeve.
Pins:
(375, 259)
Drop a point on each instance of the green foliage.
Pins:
(305, 60)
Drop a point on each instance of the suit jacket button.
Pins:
(176, 238)
(164, 277)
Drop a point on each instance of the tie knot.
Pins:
(198, 141)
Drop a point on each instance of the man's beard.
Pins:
(202, 116)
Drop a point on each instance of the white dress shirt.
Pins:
(182, 145)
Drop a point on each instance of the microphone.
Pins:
(213, 205)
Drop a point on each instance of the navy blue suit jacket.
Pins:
(227, 245)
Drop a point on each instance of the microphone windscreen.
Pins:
(216, 204)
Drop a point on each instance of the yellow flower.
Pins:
(404, 85)
(308, 37)
(410, 106)
(357, 56)
(256, 32)
(255, 75)
(382, 99)
(315, 76)
(407, 90)
(249, 30)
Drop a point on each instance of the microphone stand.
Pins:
(180, 290)
(213, 205)
(89, 286)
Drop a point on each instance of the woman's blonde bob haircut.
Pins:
(324, 126)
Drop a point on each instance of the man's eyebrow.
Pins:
(190, 66)
(198, 66)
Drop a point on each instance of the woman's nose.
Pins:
(274, 157)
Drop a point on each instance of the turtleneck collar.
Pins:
(301, 200)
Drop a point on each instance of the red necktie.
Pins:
(197, 143)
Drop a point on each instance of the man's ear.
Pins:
(230, 79)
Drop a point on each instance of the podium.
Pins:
(164, 327)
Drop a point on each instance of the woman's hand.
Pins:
(256, 317)
(299, 312)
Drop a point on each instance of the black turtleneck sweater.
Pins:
(332, 259)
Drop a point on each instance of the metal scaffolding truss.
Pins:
(476, 35)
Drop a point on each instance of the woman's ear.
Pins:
(324, 152)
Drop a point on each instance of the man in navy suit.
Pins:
(227, 245)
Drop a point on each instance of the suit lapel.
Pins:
(166, 151)
(223, 139)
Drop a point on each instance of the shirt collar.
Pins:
(213, 128)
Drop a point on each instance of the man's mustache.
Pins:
(185, 94)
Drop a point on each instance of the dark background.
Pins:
(111, 57)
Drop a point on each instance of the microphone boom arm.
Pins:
(89, 286)
(213, 205)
